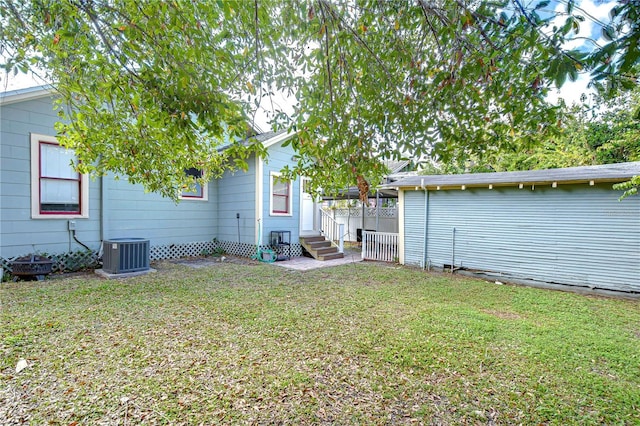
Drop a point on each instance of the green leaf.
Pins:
(608, 33)
(182, 78)
(542, 4)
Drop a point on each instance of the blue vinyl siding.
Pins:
(121, 209)
(129, 211)
(279, 157)
(19, 234)
(132, 213)
(574, 234)
(237, 194)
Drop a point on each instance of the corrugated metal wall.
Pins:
(573, 234)
(414, 227)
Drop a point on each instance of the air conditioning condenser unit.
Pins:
(122, 255)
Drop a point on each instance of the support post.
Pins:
(318, 219)
(377, 211)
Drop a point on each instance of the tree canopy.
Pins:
(149, 89)
(611, 134)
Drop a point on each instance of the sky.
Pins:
(593, 10)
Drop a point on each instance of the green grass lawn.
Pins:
(355, 344)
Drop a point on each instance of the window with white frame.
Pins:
(280, 196)
(57, 190)
(199, 192)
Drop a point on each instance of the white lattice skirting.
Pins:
(69, 262)
(369, 212)
(176, 251)
(248, 250)
(65, 262)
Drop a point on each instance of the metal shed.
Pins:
(562, 226)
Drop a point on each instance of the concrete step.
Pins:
(319, 244)
(325, 251)
(331, 256)
(319, 248)
(312, 239)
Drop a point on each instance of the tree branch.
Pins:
(357, 37)
(326, 53)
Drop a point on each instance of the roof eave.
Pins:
(449, 186)
(22, 95)
(281, 137)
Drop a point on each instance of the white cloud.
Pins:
(571, 91)
(595, 12)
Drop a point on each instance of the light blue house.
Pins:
(45, 207)
(561, 227)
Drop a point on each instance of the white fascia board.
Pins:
(277, 139)
(28, 94)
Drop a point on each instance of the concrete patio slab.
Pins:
(111, 276)
(303, 263)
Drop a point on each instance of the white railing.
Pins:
(382, 246)
(353, 220)
(332, 230)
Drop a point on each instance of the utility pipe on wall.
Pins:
(103, 213)
(453, 250)
(238, 219)
(73, 232)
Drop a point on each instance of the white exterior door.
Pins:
(307, 206)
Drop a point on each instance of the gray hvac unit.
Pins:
(121, 255)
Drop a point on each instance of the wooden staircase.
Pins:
(320, 248)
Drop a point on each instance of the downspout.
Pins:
(426, 224)
(401, 230)
(103, 213)
(102, 196)
(377, 211)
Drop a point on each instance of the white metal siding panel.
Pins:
(414, 228)
(574, 234)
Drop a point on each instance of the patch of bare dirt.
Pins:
(205, 262)
(503, 314)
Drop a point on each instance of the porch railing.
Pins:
(332, 230)
(381, 246)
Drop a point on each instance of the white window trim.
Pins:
(35, 184)
(272, 176)
(205, 194)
